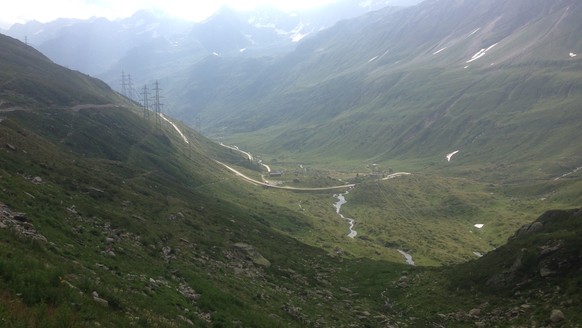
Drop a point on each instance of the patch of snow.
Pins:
(371, 60)
(466, 67)
(449, 156)
(298, 37)
(216, 53)
(298, 32)
(384, 54)
(396, 175)
(243, 50)
(475, 31)
(479, 226)
(572, 55)
(481, 53)
(407, 257)
(263, 25)
(478, 254)
(439, 51)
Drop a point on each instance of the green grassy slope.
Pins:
(29, 78)
(400, 90)
(377, 88)
(110, 219)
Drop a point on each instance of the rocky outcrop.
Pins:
(19, 223)
(549, 218)
(248, 252)
(189, 293)
(553, 254)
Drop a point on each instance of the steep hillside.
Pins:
(109, 218)
(496, 79)
(30, 79)
(533, 280)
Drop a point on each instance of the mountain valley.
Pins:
(385, 170)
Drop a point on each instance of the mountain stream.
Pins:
(341, 200)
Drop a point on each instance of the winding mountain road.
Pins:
(260, 183)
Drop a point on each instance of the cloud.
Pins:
(21, 11)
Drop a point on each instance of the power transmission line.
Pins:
(157, 104)
(123, 84)
(130, 87)
(145, 104)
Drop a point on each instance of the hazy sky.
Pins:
(20, 11)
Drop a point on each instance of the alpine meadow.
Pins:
(359, 164)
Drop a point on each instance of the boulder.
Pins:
(535, 227)
(546, 272)
(21, 217)
(252, 254)
(99, 300)
(557, 316)
(475, 312)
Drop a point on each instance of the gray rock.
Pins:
(402, 285)
(101, 301)
(475, 312)
(535, 227)
(547, 249)
(545, 272)
(557, 316)
(189, 293)
(21, 217)
(528, 229)
(252, 254)
(346, 290)
(186, 320)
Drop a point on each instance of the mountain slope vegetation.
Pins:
(416, 83)
(112, 216)
(109, 218)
